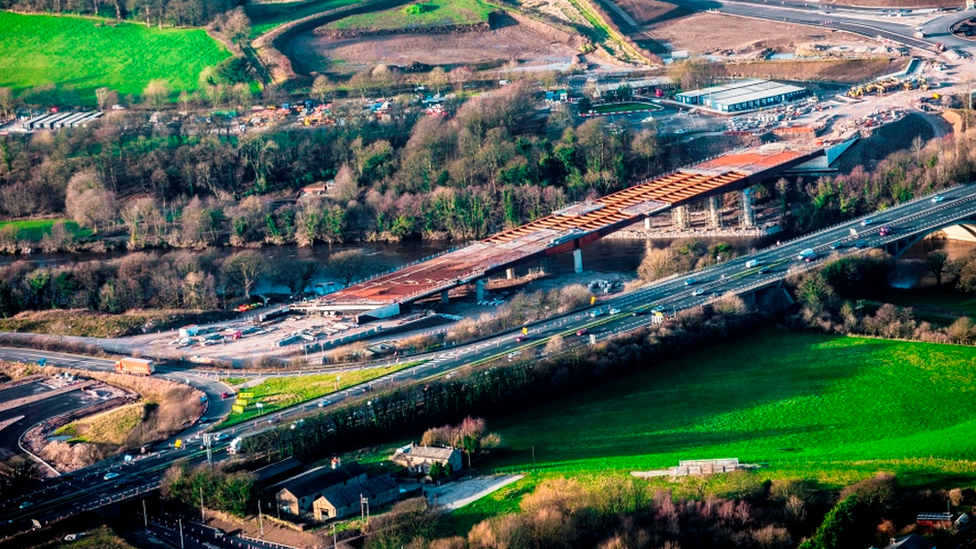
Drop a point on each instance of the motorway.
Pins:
(89, 488)
(864, 21)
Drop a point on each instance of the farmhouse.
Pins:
(347, 500)
(296, 495)
(418, 459)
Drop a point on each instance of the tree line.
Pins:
(830, 297)
(180, 280)
(177, 13)
(494, 165)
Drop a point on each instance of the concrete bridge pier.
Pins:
(479, 289)
(714, 212)
(748, 217)
(445, 297)
(647, 223)
(578, 260)
(510, 273)
(679, 217)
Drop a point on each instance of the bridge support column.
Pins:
(714, 212)
(510, 274)
(647, 223)
(479, 289)
(578, 260)
(679, 217)
(748, 216)
(445, 298)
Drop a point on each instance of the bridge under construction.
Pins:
(568, 230)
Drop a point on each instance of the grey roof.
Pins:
(745, 90)
(429, 452)
(347, 495)
(912, 541)
(319, 480)
(275, 470)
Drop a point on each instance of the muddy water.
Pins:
(604, 256)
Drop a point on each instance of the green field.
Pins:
(624, 107)
(281, 392)
(35, 229)
(81, 54)
(773, 398)
(430, 14)
(265, 17)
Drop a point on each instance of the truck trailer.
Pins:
(134, 366)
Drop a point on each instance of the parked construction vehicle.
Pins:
(134, 366)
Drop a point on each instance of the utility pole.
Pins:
(335, 542)
(145, 518)
(203, 515)
(181, 533)
(260, 519)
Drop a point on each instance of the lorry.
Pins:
(807, 255)
(135, 366)
(235, 445)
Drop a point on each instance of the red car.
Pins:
(226, 395)
(582, 331)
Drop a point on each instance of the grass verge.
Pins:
(81, 54)
(110, 427)
(428, 14)
(277, 393)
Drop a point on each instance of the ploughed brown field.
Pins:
(513, 41)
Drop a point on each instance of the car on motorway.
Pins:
(111, 475)
(762, 270)
(226, 395)
(867, 222)
(582, 331)
(835, 245)
(520, 338)
(699, 291)
(640, 312)
(690, 281)
(937, 198)
(614, 311)
(657, 309)
(324, 403)
(25, 505)
(885, 231)
(860, 244)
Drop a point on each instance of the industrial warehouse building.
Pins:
(744, 95)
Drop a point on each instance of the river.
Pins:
(604, 256)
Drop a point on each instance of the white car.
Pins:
(614, 311)
(938, 198)
(110, 476)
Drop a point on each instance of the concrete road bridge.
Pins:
(570, 229)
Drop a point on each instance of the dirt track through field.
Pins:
(313, 53)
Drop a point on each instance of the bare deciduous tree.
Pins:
(156, 93)
(88, 202)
